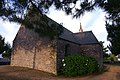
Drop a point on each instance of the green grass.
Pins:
(116, 63)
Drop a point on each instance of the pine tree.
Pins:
(2, 43)
(113, 25)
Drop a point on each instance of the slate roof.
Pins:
(69, 36)
(86, 37)
(66, 35)
(79, 38)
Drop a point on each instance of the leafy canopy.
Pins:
(1, 44)
(16, 10)
(113, 25)
(104, 49)
(5, 48)
(7, 51)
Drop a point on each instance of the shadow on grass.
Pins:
(7, 77)
(21, 73)
(118, 76)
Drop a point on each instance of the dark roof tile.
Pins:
(79, 38)
(68, 35)
(86, 37)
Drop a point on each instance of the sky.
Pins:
(91, 21)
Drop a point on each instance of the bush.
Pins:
(4, 63)
(77, 65)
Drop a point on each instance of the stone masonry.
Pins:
(29, 50)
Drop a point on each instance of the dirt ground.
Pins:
(19, 73)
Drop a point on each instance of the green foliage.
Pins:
(6, 55)
(112, 57)
(76, 65)
(4, 63)
(104, 50)
(7, 51)
(114, 37)
(2, 43)
(15, 10)
(42, 24)
(5, 47)
(113, 25)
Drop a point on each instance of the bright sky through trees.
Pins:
(94, 21)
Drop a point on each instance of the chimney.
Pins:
(80, 30)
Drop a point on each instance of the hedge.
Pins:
(77, 65)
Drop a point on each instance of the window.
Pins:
(66, 49)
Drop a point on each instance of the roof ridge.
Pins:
(58, 23)
(83, 32)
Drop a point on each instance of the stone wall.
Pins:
(72, 48)
(93, 50)
(32, 51)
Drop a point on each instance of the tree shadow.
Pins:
(118, 76)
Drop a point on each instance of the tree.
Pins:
(113, 25)
(104, 49)
(17, 10)
(2, 43)
(5, 48)
(7, 51)
(112, 57)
